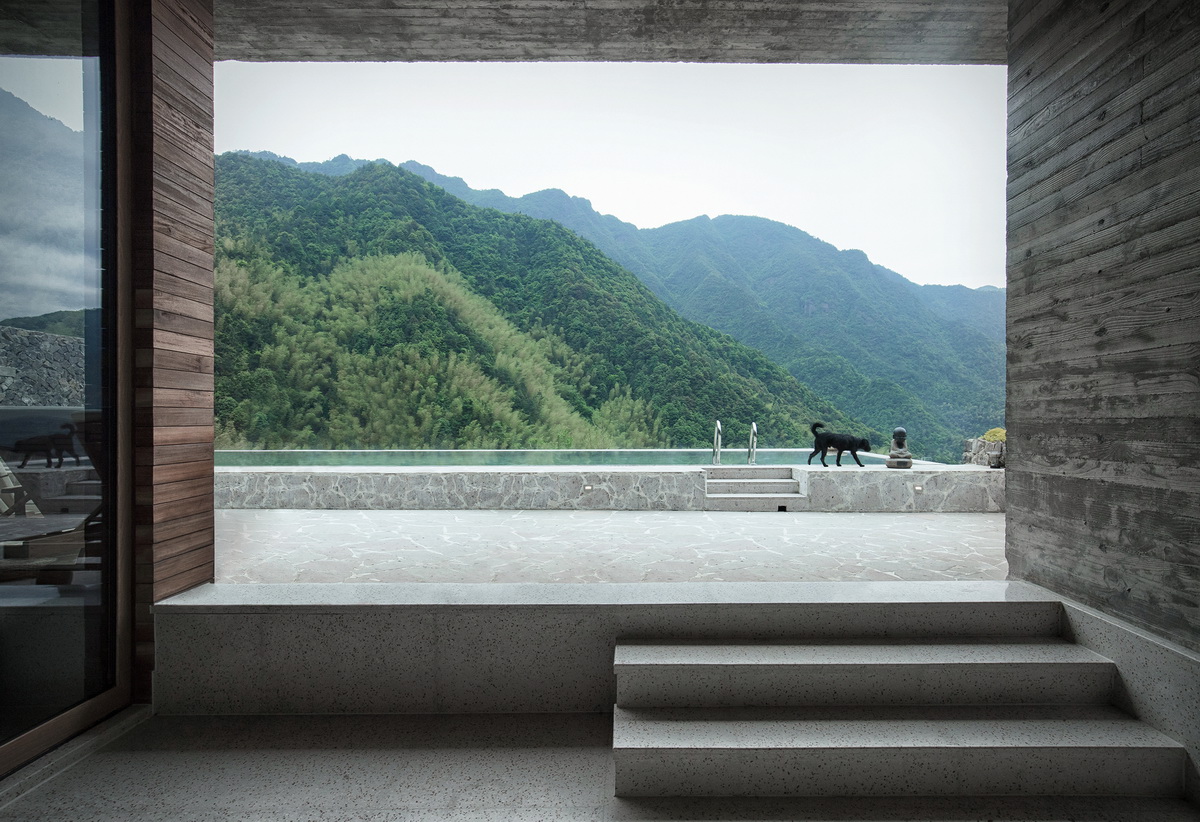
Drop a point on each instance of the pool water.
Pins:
(638, 456)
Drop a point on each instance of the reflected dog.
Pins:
(825, 440)
(48, 445)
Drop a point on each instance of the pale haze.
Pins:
(903, 162)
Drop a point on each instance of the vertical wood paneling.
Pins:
(173, 320)
(1104, 307)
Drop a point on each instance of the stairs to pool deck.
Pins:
(752, 488)
(944, 714)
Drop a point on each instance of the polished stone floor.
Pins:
(16, 528)
(280, 546)
(483, 768)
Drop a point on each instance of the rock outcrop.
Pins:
(979, 451)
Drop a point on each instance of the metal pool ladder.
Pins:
(750, 455)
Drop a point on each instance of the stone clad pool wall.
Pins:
(945, 489)
(536, 489)
(928, 489)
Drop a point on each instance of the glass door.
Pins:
(57, 552)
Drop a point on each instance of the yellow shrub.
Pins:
(995, 435)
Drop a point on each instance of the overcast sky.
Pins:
(903, 162)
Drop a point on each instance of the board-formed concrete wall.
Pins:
(1104, 306)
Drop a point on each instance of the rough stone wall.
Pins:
(39, 369)
(1104, 307)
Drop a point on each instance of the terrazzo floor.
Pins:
(483, 768)
(280, 546)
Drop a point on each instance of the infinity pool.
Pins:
(639, 456)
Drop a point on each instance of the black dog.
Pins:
(824, 440)
(49, 445)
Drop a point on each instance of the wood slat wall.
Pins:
(1104, 306)
(173, 308)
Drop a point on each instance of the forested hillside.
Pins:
(376, 310)
(885, 350)
(65, 323)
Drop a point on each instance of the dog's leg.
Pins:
(824, 452)
(839, 458)
(28, 454)
(813, 454)
(856, 459)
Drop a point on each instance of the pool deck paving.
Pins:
(285, 546)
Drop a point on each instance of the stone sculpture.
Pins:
(899, 456)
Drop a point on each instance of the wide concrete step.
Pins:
(71, 504)
(88, 486)
(892, 751)
(752, 486)
(755, 502)
(855, 612)
(928, 672)
(730, 472)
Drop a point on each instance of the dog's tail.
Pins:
(815, 426)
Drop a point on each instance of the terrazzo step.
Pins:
(1033, 671)
(752, 486)
(71, 504)
(89, 487)
(755, 502)
(892, 751)
(733, 472)
(923, 808)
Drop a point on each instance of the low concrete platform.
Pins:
(517, 648)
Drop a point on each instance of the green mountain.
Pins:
(64, 323)
(984, 306)
(375, 309)
(886, 350)
(46, 263)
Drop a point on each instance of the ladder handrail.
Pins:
(753, 443)
(716, 458)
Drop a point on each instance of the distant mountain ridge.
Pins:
(335, 167)
(889, 351)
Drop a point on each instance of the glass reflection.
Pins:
(56, 628)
